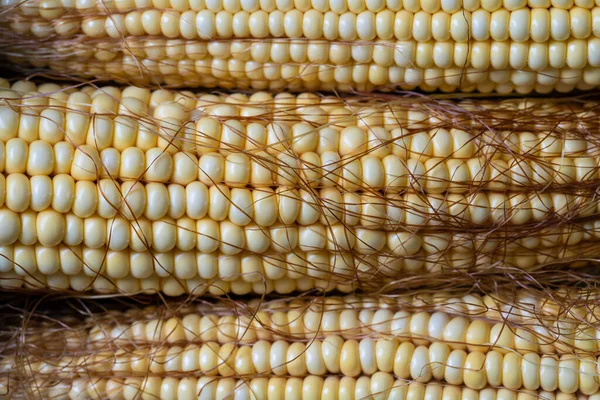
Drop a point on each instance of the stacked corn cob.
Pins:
(490, 45)
(129, 190)
(137, 191)
(423, 347)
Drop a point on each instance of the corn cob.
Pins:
(78, 217)
(502, 47)
(378, 337)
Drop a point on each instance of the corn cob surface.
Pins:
(433, 45)
(437, 248)
(464, 342)
(131, 190)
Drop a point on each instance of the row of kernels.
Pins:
(460, 25)
(543, 334)
(250, 61)
(479, 55)
(50, 228)
(432, 317)
(252, 268)
(380, 386)
(21, 154)
(36, 155)
(190, 264)
(169, 286)
(434, 175)
(511, 370)
(291, 77)
(210, 134)
(538, 144)
(71, 260)
(52, 9)
(284, 108)
(289, 108)
(124, 131)
(225, 73)
(173, 286)
(523, 309)
(235, 74)
(334, 355)
(305, 137)
(573, 54)
(393, 350)
(135, 101)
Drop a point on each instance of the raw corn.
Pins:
(131, 190)
(447, 45)
(433, 248)
(350, 172)
(466, 342)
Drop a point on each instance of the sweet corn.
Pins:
(131, 191)
(468, 340)
(485, 46)
(137, 191)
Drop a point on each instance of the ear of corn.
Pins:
(471, 342)
(503, 47)
(130, 190)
